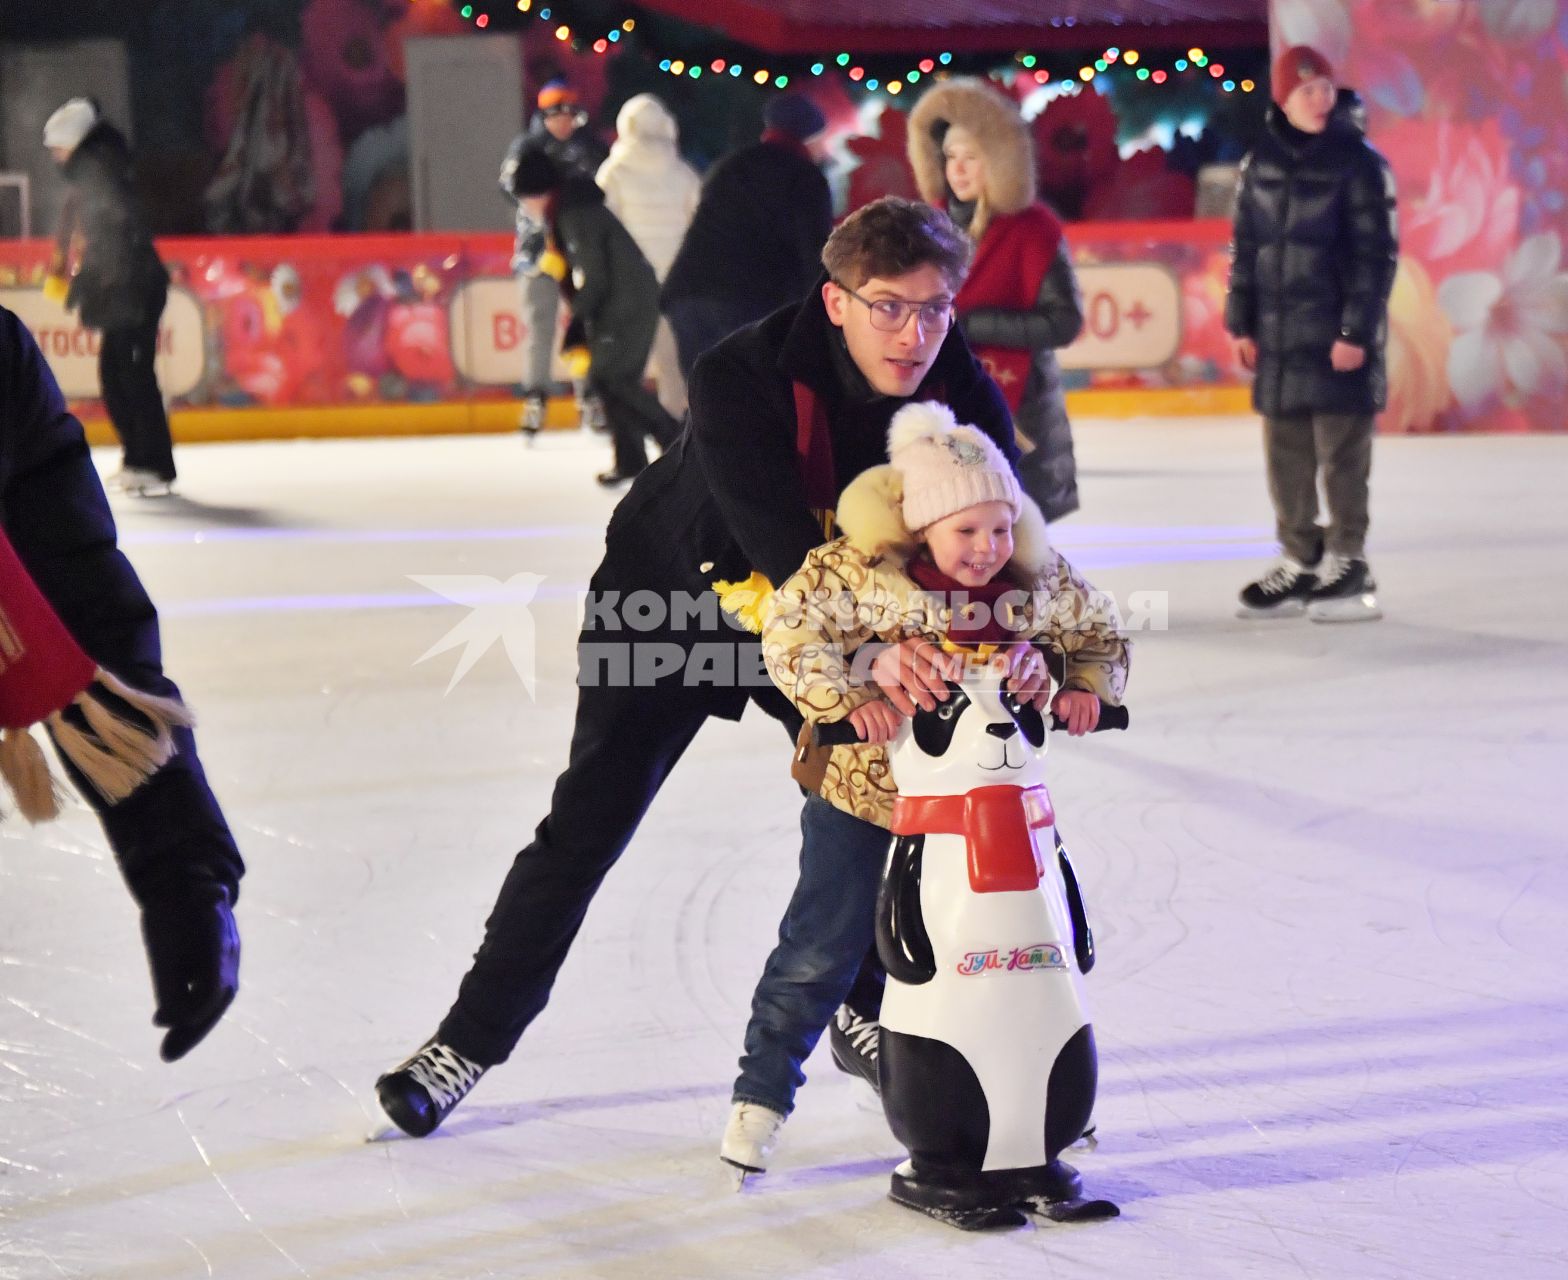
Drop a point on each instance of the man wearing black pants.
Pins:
(784, 414)
(105, 268)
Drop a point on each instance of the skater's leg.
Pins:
(1292, 472)
(624, 745)
(114, 385)
(822, 941)
(149, 419)
(1344, 449)
(541, 298)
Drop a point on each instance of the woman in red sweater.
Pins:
(973, 156)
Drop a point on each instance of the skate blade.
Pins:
(1289, 609)
(1362, 608)
(739, 1173)
(1077, 1209)
(386, 1132)
(1088, 1141)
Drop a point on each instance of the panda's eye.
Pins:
(946, 711)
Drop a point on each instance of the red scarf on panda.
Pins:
(1011, 260)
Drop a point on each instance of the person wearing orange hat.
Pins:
(559, 129)
(1312, 264)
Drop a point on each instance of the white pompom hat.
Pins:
(946, 467)
(70, 124)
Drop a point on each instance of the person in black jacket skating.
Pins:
(784, 414)
(614, 297)
(169, 836)
(755, 239)
(1312, 266)
(105, 268)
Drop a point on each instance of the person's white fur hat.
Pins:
(946, 467)
(70, 124)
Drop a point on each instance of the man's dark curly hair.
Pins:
(893, 236)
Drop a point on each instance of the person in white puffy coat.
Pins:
(653, 192)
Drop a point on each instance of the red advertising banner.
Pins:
(415, 321)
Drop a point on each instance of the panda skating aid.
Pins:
(987, 1058)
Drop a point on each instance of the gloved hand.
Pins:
(552, 264)
(193, 949)
(577, 361)
(57, 288)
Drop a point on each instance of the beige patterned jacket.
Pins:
(855, 590)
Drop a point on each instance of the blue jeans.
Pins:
(825, 934)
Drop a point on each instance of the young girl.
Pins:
(941, 547)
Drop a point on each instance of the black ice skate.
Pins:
(853, 1041)
(1345, 591)
(1282, 592)
(420, 1093)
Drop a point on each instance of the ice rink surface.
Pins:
(1329, 891)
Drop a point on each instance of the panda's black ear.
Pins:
(1027, 717)
(933, 729)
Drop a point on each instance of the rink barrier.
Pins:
(383, 335)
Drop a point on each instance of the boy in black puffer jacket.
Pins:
(1312, 265)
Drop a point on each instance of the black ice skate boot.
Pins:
(853, 1041)
(1345, 591)
(1282, 592)
(420, 1093)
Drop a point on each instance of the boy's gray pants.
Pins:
(1298, 446)
(541, 301)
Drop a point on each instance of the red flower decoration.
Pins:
(1075, 146)
(884, 162)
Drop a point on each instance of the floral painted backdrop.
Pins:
(1468, 99)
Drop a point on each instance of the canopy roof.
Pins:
(898, 26)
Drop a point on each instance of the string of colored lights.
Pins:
(782, 72)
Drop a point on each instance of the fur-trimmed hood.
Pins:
(870, 512)
(1003, 136)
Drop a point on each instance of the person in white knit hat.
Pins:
(105, 268)
(942, 546)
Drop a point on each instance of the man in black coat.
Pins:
(169, 837)
(1312, 266)
(104, 258)
(614, 297)
(784, 414)
(755, 239)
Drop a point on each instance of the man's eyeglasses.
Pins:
(890, 315)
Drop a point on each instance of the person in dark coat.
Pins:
(111, 276)
(754, 242)
(1312, 265)
(614, 297)
(560, 129)
(169, 836)
(784, 414)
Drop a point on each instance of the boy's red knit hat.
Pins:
(1294, 68)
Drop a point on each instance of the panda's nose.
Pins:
(1002, 731)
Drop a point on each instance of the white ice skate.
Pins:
(749, 1139)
